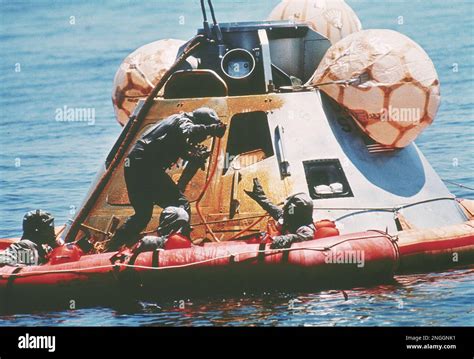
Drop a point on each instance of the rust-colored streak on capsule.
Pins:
(113, 201)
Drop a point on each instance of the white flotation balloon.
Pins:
(333, 19)
(140, 72)
(401, 92)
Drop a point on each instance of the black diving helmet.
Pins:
(297, 211)
(38, 227)
(204, 116)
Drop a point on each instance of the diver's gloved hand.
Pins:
(199, 155)
(217, 130)
(259, 196)
(257, 193)
(280, 242)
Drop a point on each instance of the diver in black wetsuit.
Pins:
(174, 227)
(36, 243)
(295, 219)
(158, 149)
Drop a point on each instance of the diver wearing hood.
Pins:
(36, 243)
(295, 218)
(177, 136)
(174, 231)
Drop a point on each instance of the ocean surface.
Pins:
(65, 53)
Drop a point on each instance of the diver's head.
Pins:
(38, 227)
(205, 116)
(174, 220)
(297, 211)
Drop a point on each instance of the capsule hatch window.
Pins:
(326, 179)
(249, 140)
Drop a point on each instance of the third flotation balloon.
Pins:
(392, 90)
(333, 19)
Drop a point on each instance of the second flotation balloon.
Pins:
(333, 19)
(140, 72)
(393, 89)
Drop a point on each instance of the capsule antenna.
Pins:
(216, 34)
(217, 28)
(205, 24)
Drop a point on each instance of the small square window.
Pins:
(326, 179)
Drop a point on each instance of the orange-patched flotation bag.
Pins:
(386, 81)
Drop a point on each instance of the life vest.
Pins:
(177, 241)
(68, 252)
(324, 228)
